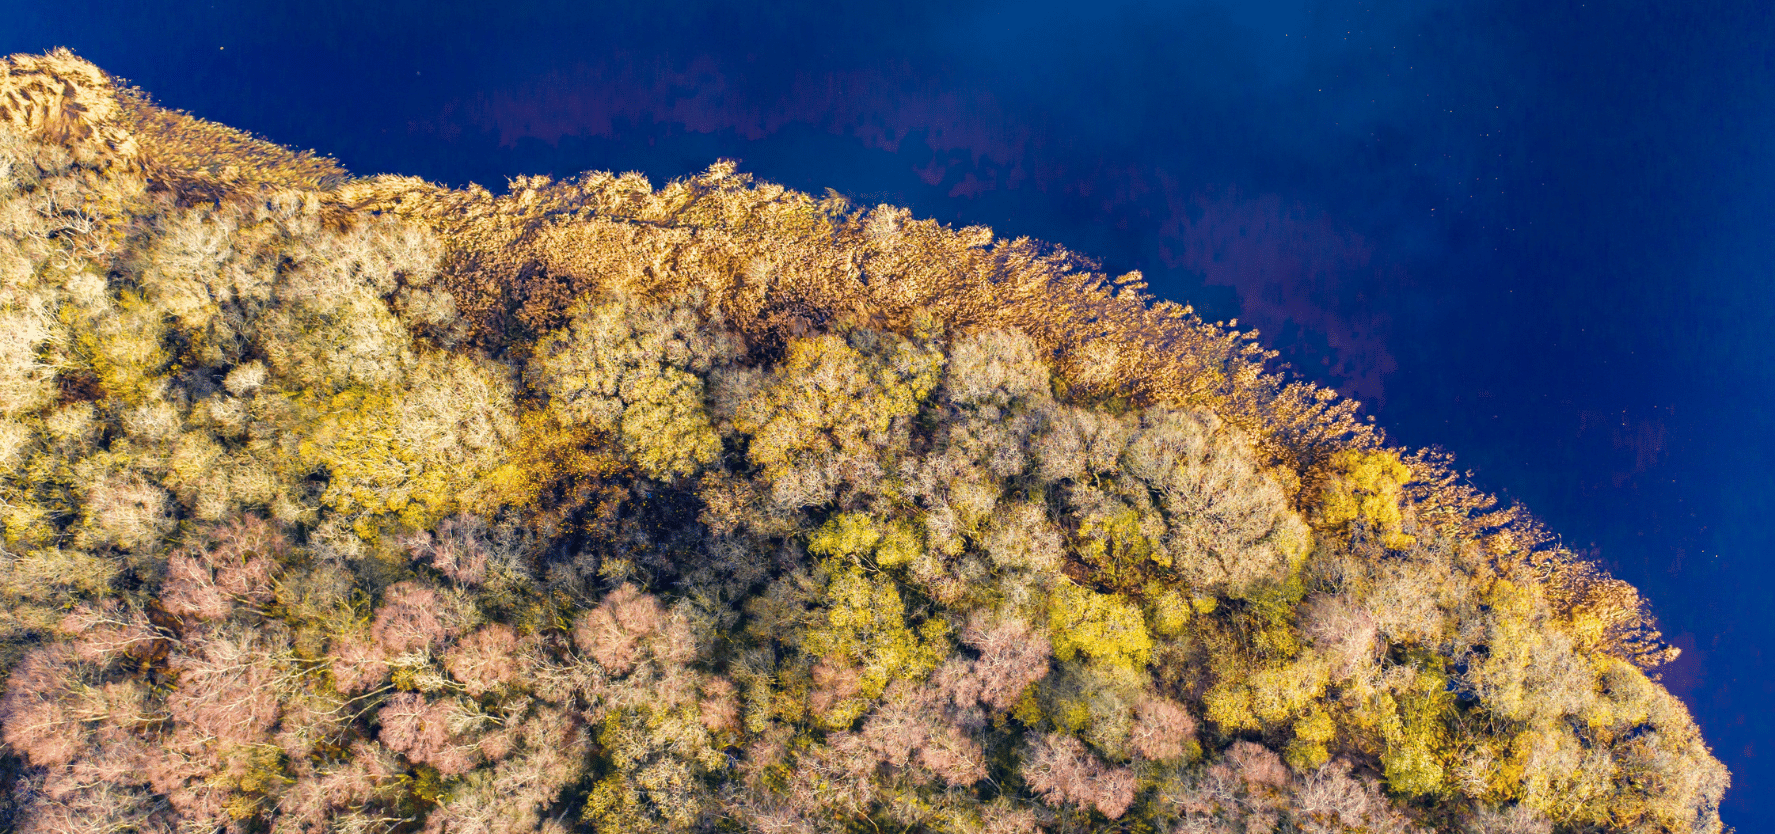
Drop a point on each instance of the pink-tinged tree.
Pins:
(548, 754)
(834, 780)
(953, 755)
(457, 550)
(202, 744)
(766, 813)
(1341, 629)
(436, 733)
(956, 685)
(835, 684)
(485, 660)
(230, 682)
(1060, 769)
(919, 725)
(104, 807)
(1161, 728)
(899, 726)
(245, 554)
(720, 706)
(1256, 764)
(1001, 816)
(358, 665)
(216, 753)
(1330, 800)
(34, 716)
(612, 632)
(190, 590)
(1013, 655)
(628, 626)
(358, 792)
(414, 617)
(107, 631)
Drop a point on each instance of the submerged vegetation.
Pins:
(368, 505)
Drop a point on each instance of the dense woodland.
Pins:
(368, 505)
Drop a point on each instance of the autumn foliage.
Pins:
(367, 505)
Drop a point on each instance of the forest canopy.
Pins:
(363, 504)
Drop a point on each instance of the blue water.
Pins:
(1539, 234)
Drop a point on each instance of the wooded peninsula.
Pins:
(363, 504)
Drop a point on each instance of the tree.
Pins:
(829, 407)
(1061, 770)
(637, 369)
